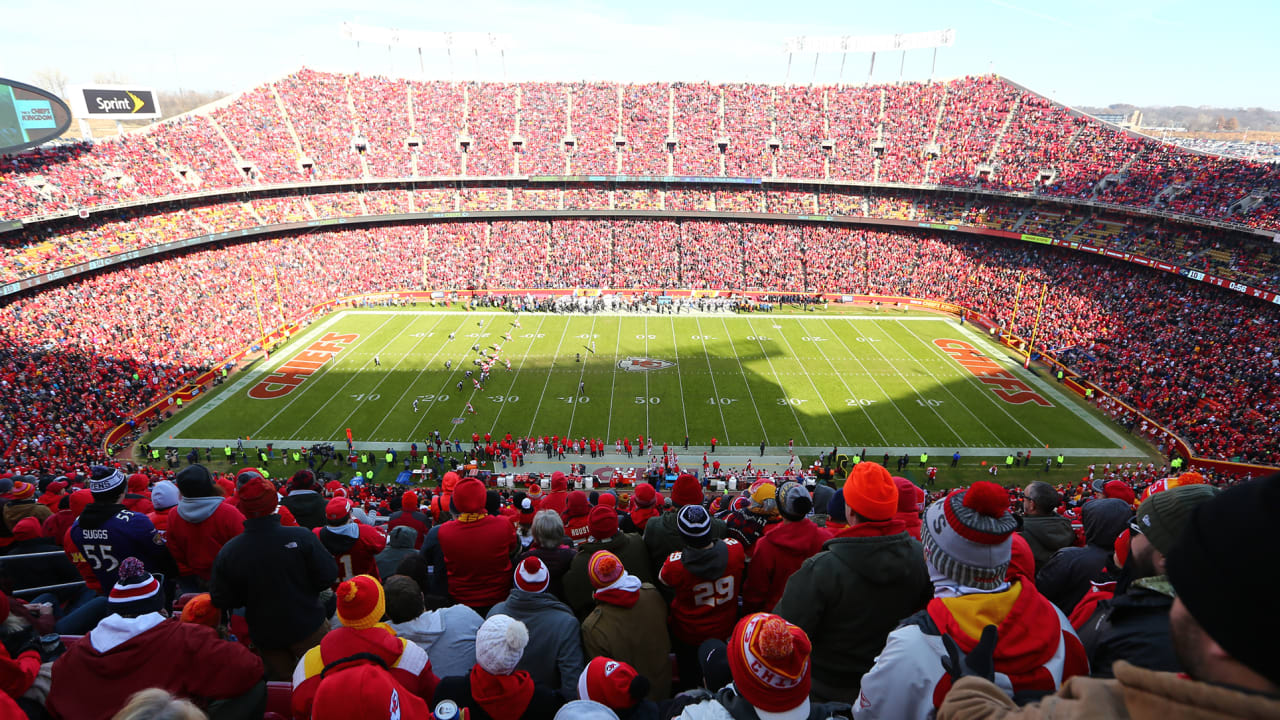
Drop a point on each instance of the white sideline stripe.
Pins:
(1047, 388)
(727, 315)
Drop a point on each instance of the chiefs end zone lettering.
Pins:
(1007, 387)
(291, 374)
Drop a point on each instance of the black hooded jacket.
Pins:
(1064, 579)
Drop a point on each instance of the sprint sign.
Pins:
(293, 373)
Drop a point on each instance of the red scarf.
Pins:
(624, 593)
(501, 696)
(878, 528)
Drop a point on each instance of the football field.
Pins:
(886, 381)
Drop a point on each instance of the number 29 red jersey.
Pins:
(704, 607)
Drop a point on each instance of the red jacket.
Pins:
(555, 500)
(777, 555)
(18, 674)
(195, 535)
(160, 518)
(415, 519)
(187, 659)
(354, 555)
(408, 663)
(477, 556)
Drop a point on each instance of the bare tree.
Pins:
(53, 80)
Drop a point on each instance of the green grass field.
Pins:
(865, 379)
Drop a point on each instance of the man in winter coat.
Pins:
(872, 565)
(442, 503)
(576, 511)
(137, 647)
(1134, 625)
(138, 498)
(1229, 656)
(495, 689)
(361, 607)
(771, 664)
(662, 534)
(199, 527)
(629, 548)
(910, 498)
(749, 524)
(22, 503)
(554, 655)
(705, 579)
(1064, 579)
(304, 501)
(352, 545)
(781, 552)
(1046, 531)
(276, 574)
(399, 546)
(477, 550)
(410, 516)
(558, 498)
(643, 507)
(967, 545)
(628, 622)
(448, 634)
(106, 533)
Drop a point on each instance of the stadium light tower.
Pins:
(845, 44)
(449, 41)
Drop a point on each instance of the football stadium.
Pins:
(361, 395)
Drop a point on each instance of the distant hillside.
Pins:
(1198, 119)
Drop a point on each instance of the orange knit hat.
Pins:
(361, 603)
(871, 492)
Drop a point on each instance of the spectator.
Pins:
(448, 634)
(106, 532)
(476, 548)
(276, 574)
(494, 688)
(749, 524)
(967, 539)
(662, 534)
(1064, 579)
(410, 516)
(1045, 531)
(705, 579)
(199, 527)
(157, 704)
(1134, 625)
(624, 607)
(441, 503)
(42, 571)
(778, 554)
(306, 504)
(558, 498)
(353, 546)
(617, 686)
(24, 673)
(22, 504)
(873, 564)
(629, 548)
(554, 653)
(361, 608)
(551, 547)
(910, 498)
(771, 665)
(361, 688)
(137, 647)
(1232, 672)
(138, 498)
(164, 497)
(577, 508)
(399, 546)
(643, 508)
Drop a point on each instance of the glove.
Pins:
(980, 662)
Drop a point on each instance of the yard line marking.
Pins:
(581, 373)
(413, 382)
(972, 380)
(888, 398)
(647, 434)
(707, 355)
(846, 388)
(746, 382)
(765, 353)
(675, 347)
(916, 390)
(613, 381)
(503, 405)
(318, 376)
(550, 369)
(816, 391)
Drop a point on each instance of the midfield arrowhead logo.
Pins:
(643, 364)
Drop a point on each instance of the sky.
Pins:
(1081, 52)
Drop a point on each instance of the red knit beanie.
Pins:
(645, 496)
(469, 496)
(257, 498)
(871, 492)
(769, 660)
(686, 491)
(612, 683)
(602, 522)
(409, 501)
(577, 504)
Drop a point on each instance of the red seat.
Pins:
(280, 698)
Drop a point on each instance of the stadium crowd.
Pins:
(142, 593)
(969, 132)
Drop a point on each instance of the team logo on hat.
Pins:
(643, 364)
